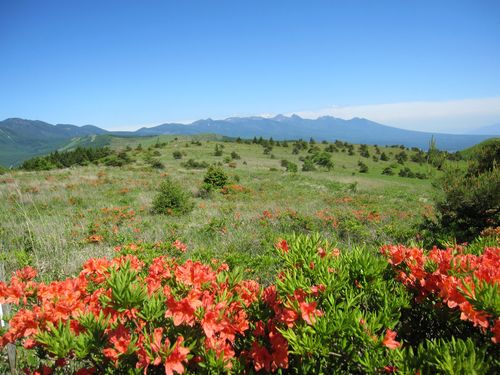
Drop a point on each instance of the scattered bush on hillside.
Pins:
(323, 159)
(291, 167)
(215, 178)
(388, 171)
(193, 164)
(155, 163)
(406, 172)
(363, 151)
(486, 159)
(267, 150)
(363, 168)
(308, 165)
(469, 203)
(401, 157)
(171, 199)
(331, 148)
(177, 154)
(218, 150)
(116, 159)
(235, 155)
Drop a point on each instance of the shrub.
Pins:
(291, 167)
(308, 165)
(406, 172)
(486, 158)
(388, 171)
(402, 157)
(171, 199)
(155, 163)
(193, 164)
(323, 159)
(218, 150)
(177, 154)
(470, 203)
(215, 178)
(235, 155)
(363, 168)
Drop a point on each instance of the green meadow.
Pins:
(48, 217)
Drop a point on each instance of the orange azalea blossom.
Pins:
(95, 238)
(451, 275)
(309, 312)
(180, 246)
(173, 363)
(194, 274)
(182, 312)
(389, 340)
(282, 245)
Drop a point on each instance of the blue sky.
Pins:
(425, 65)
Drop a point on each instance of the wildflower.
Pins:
(389, 340)
(283, 246)
(180, 246)
(309, 312)
(173, 363)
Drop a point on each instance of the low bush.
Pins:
(388, 171)
(171, 199)
(363, 168)
(193, 164)
(308, 165)
(215, 178)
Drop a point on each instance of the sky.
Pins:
(422, 65)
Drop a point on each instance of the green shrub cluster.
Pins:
(171, 199)
(215, 178)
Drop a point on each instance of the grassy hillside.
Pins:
(474, 150)
(47, 217)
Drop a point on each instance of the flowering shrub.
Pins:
(329, 311)
(466, 282)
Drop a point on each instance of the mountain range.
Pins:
(21, 139)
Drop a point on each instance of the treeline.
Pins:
(79, 156)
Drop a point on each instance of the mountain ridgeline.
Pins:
(22, 139)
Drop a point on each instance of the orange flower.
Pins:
(283, 246)
(309, 312)
(194, 274)
(180, 246)
(173, 363)
(183, 311)
(95, 238)
(389, 340)
(261, 357)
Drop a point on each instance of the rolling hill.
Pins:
(21, 139)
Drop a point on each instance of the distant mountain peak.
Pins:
(280, 117)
